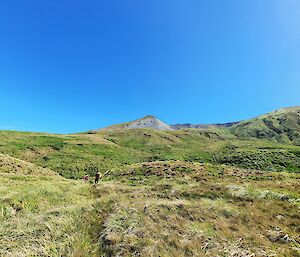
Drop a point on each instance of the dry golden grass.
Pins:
(13, 165)
(163, 208)
(44, 216)
(184, 209)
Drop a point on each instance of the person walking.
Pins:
(86, 177)
(97, 177)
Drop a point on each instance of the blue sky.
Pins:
(69, 66)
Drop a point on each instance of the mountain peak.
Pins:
(148, 117)
(148, 121)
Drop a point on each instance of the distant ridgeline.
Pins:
(270, 142)
(282, 126)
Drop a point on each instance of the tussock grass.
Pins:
(44, 216)
(74, 155)
(184, 209)
(177, 193)
(171, 208)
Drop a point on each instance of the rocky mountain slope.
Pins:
(203, 126)
(148, 121)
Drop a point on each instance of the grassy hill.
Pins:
(221, 191)
(162, 208)
(12, 165)
(42, 213)
(74, 155)
(282, 126)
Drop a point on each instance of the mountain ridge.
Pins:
(281, 125)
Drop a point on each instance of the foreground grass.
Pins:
(161, 208)
(185, 209)
(44, 216)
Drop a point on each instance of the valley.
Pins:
(213, 191)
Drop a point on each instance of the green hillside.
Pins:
(187, 192)
(282, 126)
(74, 155)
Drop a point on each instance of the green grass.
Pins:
(282, 126)
(175, 193)
(179, 208)
(163, 208)
(74, 155)
(44, 216)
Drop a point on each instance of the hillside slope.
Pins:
(282, 125)
(13, 165)
(41, 213)
(179, 209)
(74, 155)
(161, 208)
(164, 193)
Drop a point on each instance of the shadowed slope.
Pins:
(282, 125)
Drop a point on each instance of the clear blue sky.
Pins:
(69, 66)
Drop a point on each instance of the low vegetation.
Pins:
(281, 125)
(43, 215)
(161, 208)
(74, 155)
(209, 192)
